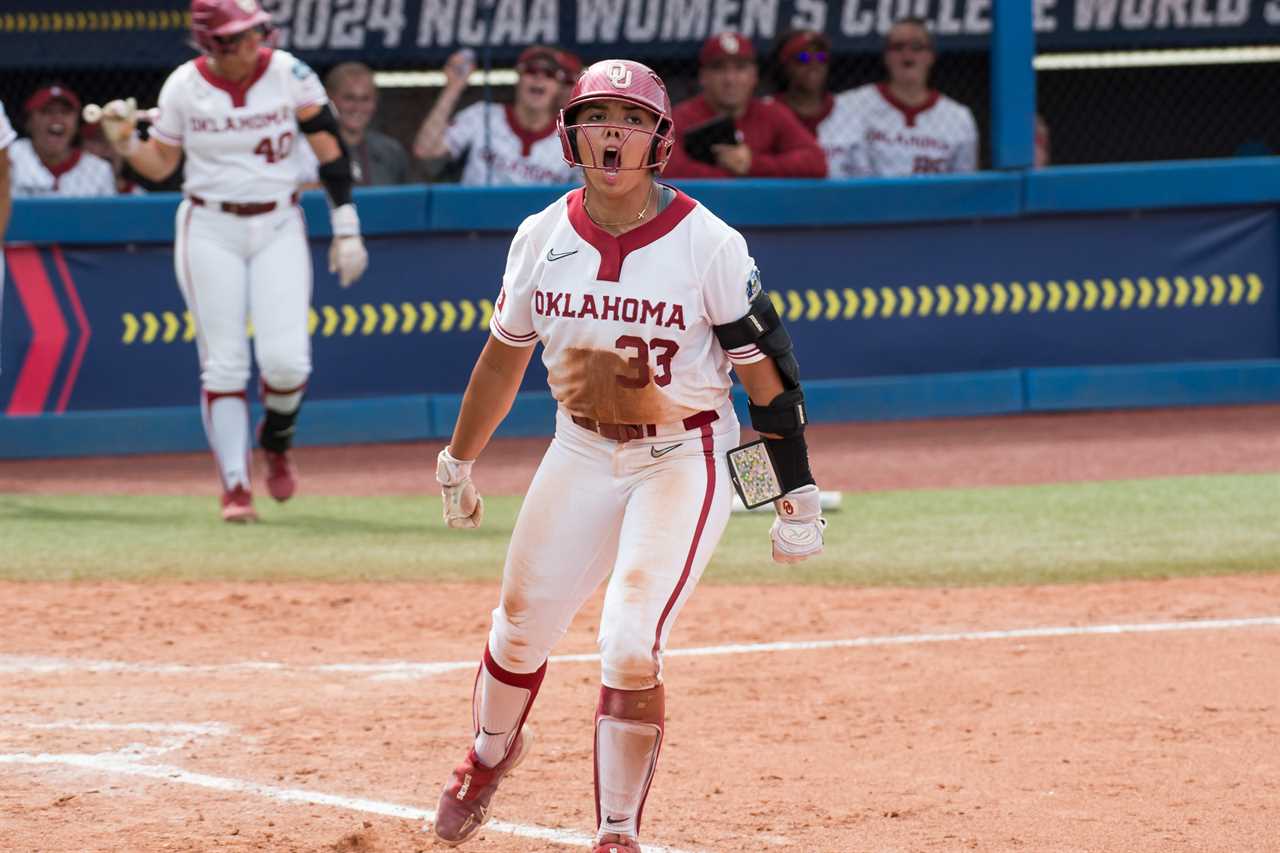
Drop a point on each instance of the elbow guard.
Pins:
(763, 327)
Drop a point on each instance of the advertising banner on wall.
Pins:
(105, 327)
(54, 34)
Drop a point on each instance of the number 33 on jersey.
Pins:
(238, 137)
(626, 322)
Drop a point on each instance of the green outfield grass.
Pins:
(1026, 534)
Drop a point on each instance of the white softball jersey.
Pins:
(871, 133)
(83, 174)
(626, 322)
(239, 138)
(514, 156)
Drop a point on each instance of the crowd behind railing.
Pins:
(897, 126)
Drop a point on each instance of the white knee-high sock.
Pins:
(500, 704)
(629, 728)
(226, 423)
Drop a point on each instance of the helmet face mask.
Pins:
(634, 85)
(608, 145)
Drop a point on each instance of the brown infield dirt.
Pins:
(211, 716)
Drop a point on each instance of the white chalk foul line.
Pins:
(176, 775)
(401, 670)
(177, 735)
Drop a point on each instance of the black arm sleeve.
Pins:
(335, 175)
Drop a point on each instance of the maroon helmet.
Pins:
(620, 80)
(214, 19)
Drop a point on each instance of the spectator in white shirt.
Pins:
(901, 126)
(49, 163)
(504, 144)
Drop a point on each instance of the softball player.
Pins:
(241, 249)
(643, 300)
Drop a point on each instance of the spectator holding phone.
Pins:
(727, 132)
(502, 144)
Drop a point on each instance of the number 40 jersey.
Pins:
(238, 136)
(626, 323)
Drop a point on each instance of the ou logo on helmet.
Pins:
(620, 76)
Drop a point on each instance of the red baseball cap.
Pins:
(726, 45)
(804, 40)
(570, 63)
(54, 92)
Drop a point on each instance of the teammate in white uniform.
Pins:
(7, 136)
(633, 289)
(900, 127)
(48, 163)
(522, 147)
(241, 251)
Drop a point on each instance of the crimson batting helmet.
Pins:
(620, 80)
(212, 20)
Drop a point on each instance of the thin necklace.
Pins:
(634, 219)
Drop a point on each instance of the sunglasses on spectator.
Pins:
(817, 57)
(913, 46)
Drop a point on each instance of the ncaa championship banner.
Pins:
(58, 34)
(104, 327)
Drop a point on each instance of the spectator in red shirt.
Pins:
(772, 143)
(800, 75)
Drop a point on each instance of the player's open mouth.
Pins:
(57, 129)
(612, 158)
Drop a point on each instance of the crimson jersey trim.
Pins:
(614, 250)
(239, 92)
(909, 113)
(526, 136)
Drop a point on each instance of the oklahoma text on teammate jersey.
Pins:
(514, 157)
(633, 289)
(237, 136)
(869, 132)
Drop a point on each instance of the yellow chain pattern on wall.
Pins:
(1017, 297)
(94, 21)
(328, 321)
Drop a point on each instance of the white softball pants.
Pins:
(232, 269)
(595, 507)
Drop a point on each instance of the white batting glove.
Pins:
(347, 254)
(463, 506)
(120, 125)
(797, 531)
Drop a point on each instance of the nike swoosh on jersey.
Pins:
(553, 255)
(658, 454)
